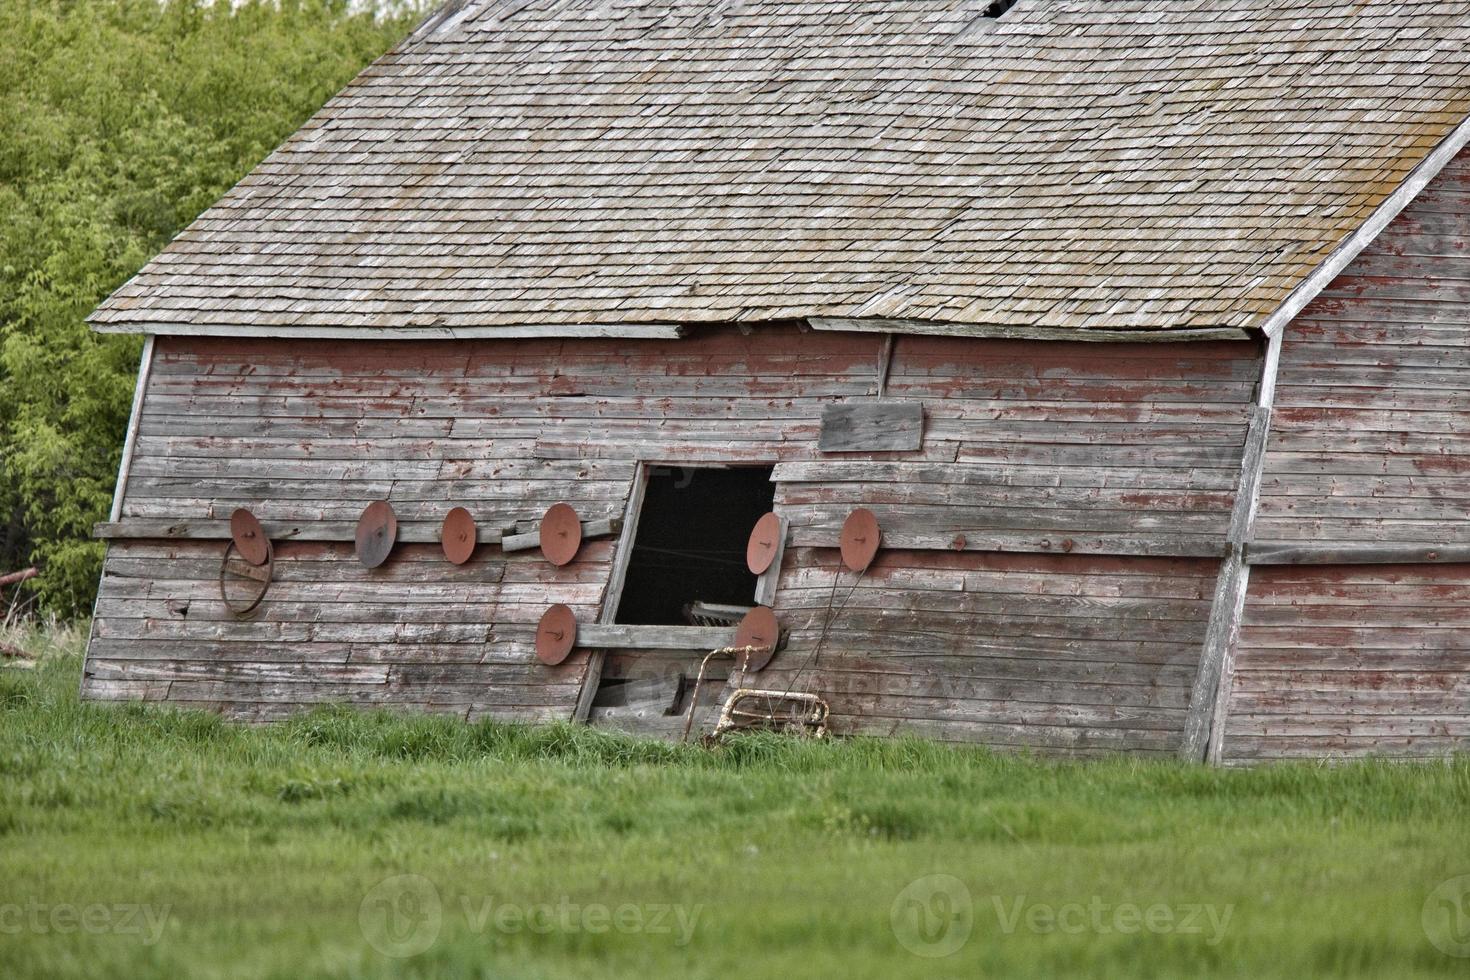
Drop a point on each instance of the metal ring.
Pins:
(264, 574)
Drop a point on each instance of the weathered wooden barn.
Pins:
(1141, 328)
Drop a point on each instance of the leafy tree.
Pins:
(121, 120)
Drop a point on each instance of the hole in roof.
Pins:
(997, 8)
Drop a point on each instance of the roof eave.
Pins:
(624, 331)
(997, 331)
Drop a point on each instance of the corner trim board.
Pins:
(1204, 725)
(130, 440)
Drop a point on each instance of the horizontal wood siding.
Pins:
(1352, 660)
(1050, 447)
(416, 632)
(1078, 654)
(1370, 437)
(1092, 449)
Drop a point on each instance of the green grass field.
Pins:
(137, 841)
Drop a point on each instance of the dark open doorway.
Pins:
(686, 567)
(690, 544)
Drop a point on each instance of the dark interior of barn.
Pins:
(690, 545)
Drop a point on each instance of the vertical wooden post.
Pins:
(885, 364)
(1209, 700)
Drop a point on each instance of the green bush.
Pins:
(120, 121)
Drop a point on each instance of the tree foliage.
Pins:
(120, 121)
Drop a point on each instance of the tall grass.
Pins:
(797, 847)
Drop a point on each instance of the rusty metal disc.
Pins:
(759, 628)
(764, 541)
(377, 529)
(249, 537)
(458, 536)
(561, 534)
(243, 584)
(556, 634)
(860, 539)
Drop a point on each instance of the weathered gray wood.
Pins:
(872, 427)
(135, 528)
(621, 637)
(590, 529)
(960, 537)
(135, 418)
(1012, 478)
(617, 575)
(766, 582)
(885, 364)
(648, 331)
(1095, 652)
(1394, 553)
(1212, 680)
(992, 331)
(1393, 683)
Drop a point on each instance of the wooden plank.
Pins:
(872, 427)
(930, 515)
(625, 637)
(1188, 508)
(133, 528)
(996, 475)
(617, 575)
(135, 418)
(590, 529)
(1360, 553)
(767, 582)
(885, 364)
(963, 537)
(1207, 702)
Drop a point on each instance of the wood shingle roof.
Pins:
(1075, 164)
